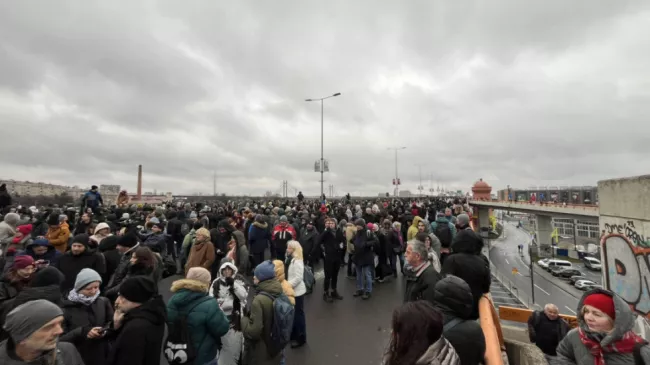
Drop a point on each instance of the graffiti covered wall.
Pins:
(626, 267)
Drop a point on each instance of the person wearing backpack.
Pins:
(446, 232)
(194, 318)
(265, 336)
(295, 277)
(453, 298)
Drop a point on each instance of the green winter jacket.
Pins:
(206, 320)
(256, 325)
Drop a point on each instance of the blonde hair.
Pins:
(203, 232)
(297, 249)
(287, 289)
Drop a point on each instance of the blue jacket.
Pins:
(206, 320)
(92, 199)
(365, 244)
(259, 237)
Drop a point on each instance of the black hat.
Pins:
(128, 240)
(94, 187)
(82, 238)
(53, 220)
(46, 277)
(360, 222)
(138, 289)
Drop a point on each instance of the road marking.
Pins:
(545, 292)
(507, 262)
(572, 311)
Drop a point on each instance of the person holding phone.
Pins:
(86, 318)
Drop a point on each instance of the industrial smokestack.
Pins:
(139, 182)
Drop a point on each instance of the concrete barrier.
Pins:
(519, 349)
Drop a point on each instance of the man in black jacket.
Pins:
(421, 278)
(467, 262)
(453, 297)
(546, 329)
(331, 243)
(365, 243)
(79, 257)
(138, 324)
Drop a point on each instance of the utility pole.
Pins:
(431, 189)
(323, 167)
(396, 180)
(214, 184)
(532, 282)
(420, 187)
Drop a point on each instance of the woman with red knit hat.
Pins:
(604, 335)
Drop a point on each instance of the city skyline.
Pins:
(515, 93)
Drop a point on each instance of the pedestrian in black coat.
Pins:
(467, 262)
(108, 248)
(138, 324)
(453, 298)
(85, 313)
(79, 257)
(421, 278)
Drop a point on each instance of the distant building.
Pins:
(28, 188)
(405, 194)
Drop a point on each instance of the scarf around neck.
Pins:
(625, 345)
(75, 297)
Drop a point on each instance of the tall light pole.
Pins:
(420, 187)
(322, 160)
(396, 182)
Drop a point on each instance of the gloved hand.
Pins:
(230, 281)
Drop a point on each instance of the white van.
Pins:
(557, 264)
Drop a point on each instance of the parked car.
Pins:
(573, 279)
(543, 263)
(567, 273)
(584, 284)
(596, 286)
(592, 263)
(558, 263)
(555, 270)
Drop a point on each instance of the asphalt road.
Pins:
(351, 331)
(548, 289)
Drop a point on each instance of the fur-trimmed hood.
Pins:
(189, 284)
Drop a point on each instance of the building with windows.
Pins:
(559, 194)
(29, 188)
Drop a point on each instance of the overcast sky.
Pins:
(515, 92)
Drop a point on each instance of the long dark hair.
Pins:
(145, 257)
(416, 326)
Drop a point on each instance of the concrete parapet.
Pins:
(519, 349)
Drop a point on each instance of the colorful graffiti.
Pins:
(627, 270)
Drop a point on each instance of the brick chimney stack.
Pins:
(139, 182)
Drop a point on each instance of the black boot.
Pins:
(336, 295)
(327, 297)
(358, 293)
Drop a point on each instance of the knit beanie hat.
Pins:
(28, 318)
(463, 220)
(265, 271)
(284, 219)
(360, 222)
(199, 274)
(21, 262)
(82, 238)
(138, 289)
(85, 277)
(40, 242)
(46, 277)
(602, 302)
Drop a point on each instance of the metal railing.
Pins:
(512, 284)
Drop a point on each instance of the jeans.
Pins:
(393, 262)
(299, 331)
(364, 272)
(331, 269)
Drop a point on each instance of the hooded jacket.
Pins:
(310, 248)
(8, 227)
(207, 323)
(571, 350)
(453, 297)
(51, 255)
(256, 326)
(59, 236)
(78, 320)
(139, 340)
(467, 262)
(440, 352)
(227, 295)
(281, 235)
(413, 228)
(201, 255)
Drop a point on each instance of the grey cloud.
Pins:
(523, 93)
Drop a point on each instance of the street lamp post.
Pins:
(397, 182)
(322, 160)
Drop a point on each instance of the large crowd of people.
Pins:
(80, 285)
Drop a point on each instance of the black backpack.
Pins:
(178, 347)
(443, 232)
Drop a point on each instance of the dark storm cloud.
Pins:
(514, 92)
